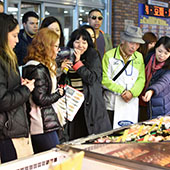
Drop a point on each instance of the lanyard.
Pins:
(130, 73)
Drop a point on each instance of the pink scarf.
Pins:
(150, 69)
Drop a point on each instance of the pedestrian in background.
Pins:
(147, 50)
(103, 40)
(150, 40)
(30, 24)
(54, 24)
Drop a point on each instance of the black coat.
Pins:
(21, 47)
(42, 96)
(13, 96)
(96, 116)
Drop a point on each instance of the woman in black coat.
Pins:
(13, 92)
(86, 76)
(41, 66)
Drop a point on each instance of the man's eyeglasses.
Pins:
(95, 17)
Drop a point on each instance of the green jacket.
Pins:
(133, 78)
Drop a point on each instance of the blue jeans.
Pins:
(7, 151)
(45, 141)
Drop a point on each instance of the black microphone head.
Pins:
(64, 52)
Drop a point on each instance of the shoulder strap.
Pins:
(120, 72)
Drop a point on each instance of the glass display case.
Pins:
(137, 147)
(137, 156)
(140, 146)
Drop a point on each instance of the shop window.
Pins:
(13, 8)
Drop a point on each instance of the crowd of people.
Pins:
(113, 80)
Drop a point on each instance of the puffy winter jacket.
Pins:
(160, 101)
(42, 97)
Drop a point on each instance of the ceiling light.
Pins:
(12, 9)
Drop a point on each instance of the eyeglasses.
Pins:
(95, 17)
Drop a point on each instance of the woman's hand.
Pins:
(77, 54)
(28, 83)
(66, 64)
(147, 95)
(61, 91)
(23, 81)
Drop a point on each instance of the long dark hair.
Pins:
(49, 20)
(165, 41)
(90, 27)
(148, 37)
(95, 45)
(76, 34)
(8, 24)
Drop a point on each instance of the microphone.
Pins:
(68, 53)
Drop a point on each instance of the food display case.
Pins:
(154, 130)
(140, 146)
(137, 147)
(137, 156)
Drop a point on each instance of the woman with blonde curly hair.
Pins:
(41, 65)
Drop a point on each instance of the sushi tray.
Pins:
(155, 130)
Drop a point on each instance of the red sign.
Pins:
(156, 11)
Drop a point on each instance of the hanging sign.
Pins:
(156, 11)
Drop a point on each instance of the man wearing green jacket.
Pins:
(121, 94)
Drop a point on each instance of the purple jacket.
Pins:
(160, 101)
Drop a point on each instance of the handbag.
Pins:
(60, 113)
(26, 144)
(125, 113)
